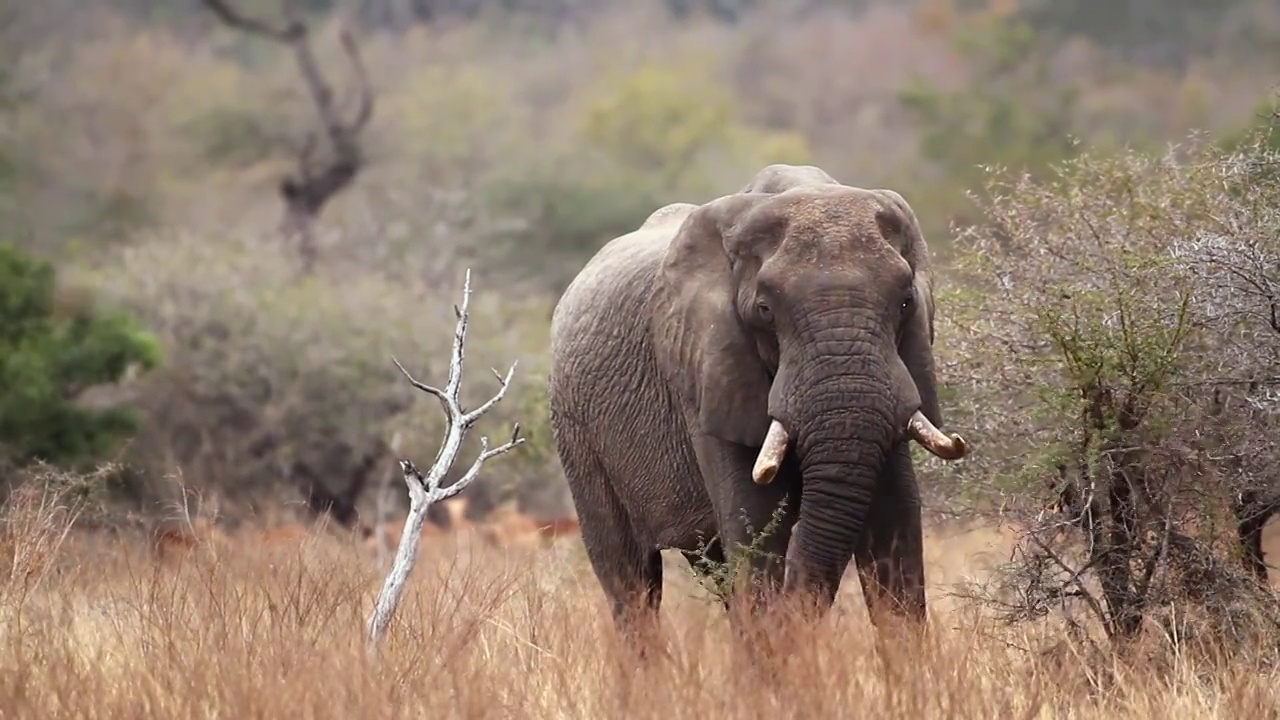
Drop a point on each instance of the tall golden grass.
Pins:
(95, 625)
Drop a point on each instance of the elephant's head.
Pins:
(801, 322)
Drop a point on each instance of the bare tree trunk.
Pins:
(1112, 535)
(1115, 565)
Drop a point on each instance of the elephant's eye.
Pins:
(909, 300)
(765, 311)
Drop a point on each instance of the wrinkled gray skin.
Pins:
(799, 299)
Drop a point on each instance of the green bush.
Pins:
(234, 136)
(992, 121)
(1169, 32)
(49, 354)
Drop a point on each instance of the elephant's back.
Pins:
(599, 330)
(604, 301)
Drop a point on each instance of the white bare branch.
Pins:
(424, 490)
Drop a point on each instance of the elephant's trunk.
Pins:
(839, 482)
(842, 408)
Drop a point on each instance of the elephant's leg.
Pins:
(890, 553)
(629, 573)
(751, 541)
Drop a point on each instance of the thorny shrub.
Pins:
(1117, 324)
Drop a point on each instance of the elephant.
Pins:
(771, 348)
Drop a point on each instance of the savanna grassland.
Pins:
(99, 628)
(182, 346)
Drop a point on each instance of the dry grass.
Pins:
(97, 627)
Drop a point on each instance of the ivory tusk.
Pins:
(771, 454)
(933, 439)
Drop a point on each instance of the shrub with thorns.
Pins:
(1119, 320)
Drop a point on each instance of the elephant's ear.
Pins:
(699, 341)
(900, 227)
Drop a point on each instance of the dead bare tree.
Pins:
(314, 182)
(425, 490)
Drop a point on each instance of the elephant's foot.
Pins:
(639, 631)
(900, 608)
(634, 669)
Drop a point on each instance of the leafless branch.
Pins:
(424, 490)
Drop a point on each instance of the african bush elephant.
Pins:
(771, 344)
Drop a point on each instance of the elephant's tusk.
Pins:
(933, 439)
(771, 454)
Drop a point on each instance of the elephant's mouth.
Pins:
(918, 428)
